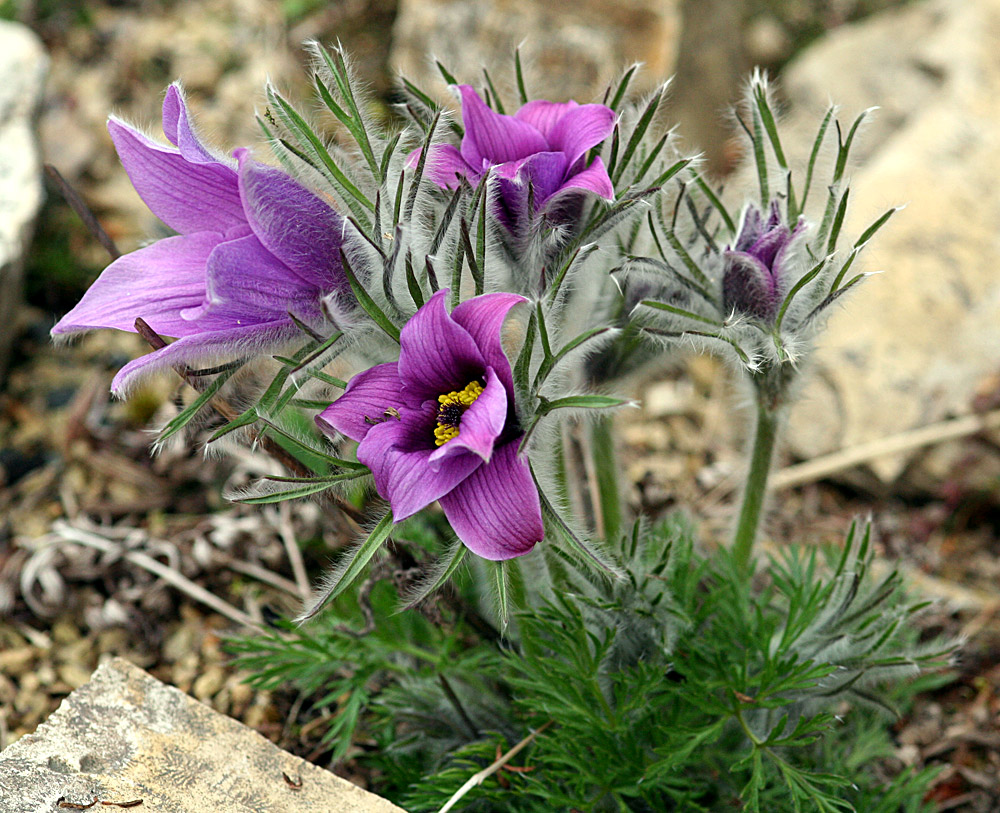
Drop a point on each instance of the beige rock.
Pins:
(911, 345)
(567, 53)
(125, 736)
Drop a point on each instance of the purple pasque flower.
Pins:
(253, 246)
(440, 424)
(753, 282)
(543, 143)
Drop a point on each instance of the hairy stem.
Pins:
(608, 507)
(756, 486)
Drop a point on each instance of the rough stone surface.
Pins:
(23, 66)
(911, 345)
(125, 736)
(566, 55)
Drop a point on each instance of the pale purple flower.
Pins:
(440, 424)
(253, 246)
(544, 144)
(753, 282)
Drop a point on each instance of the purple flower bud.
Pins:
(253, 244)
(543, 144)
(440, 424)
(753, 283)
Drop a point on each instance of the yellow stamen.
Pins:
(465, 398)
(453, 404)
(443, 433)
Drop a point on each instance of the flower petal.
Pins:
(157, 283)
(179, 130)
(480, 426)
(295, 225)
(545, 171)
(364, 403)
(748, 286)
(580, 129)
(494, 138)
(397, 453)
(444, 166)
(188, 197)
(594, 179)
(436, 354)
(543, 115)
(246, 283)
(495, 510)
(204, 348)
(483, 318)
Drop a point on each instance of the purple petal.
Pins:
(495, 511)
(480, 426)
(295, 225)
(245, 282)
(186, 196)
(749, 287)
(751, 230)
(483, 318)
(436, 354)
(580, 129)
(368, 396)
(397, 452)
(179, 131)
(767, 247)
(444, 166)
(544, 116)
(545, 171)
(204, 348)
(157, 283)
(593, 179)
(494, 138)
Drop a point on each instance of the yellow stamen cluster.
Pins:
(452, 405)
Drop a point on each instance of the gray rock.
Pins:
(23, 65)
(911, 345)
(567, 54)
(125, 736)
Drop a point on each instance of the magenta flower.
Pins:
(440, 425)
(544, 143)
(752, 282)
(253, 246)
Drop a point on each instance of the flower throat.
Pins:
(452, 406)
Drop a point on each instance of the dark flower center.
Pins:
(452, 407)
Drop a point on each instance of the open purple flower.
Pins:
(752, 282)
(253, 246)
(440, 425)
(543, 143)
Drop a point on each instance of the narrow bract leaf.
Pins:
(663, 306)
(366, 302)
(522, 94)
(439, 576)
(358, 559)
(182, 420)
(640, 130)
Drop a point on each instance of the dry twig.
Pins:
(479, 778)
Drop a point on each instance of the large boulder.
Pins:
(124, 737)
(23, 66)
(566, 54)
(910, 347)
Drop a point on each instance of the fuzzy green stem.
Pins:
(756, 487)
(608, 511)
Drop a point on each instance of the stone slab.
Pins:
(125, 736)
